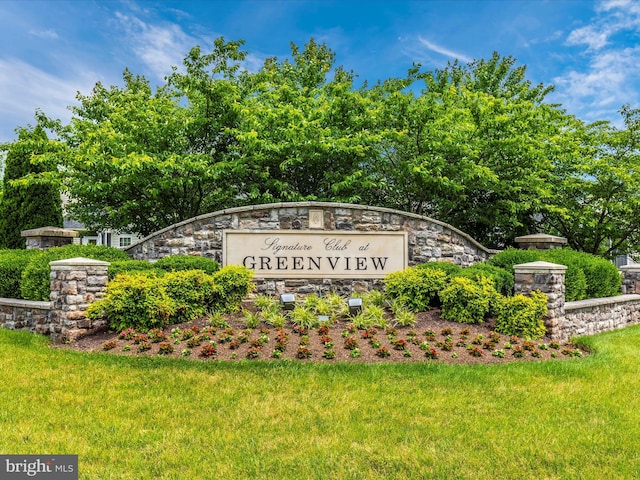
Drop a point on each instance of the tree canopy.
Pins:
(475, 145)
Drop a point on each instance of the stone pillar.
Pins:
(75, 283)
(540, 241)
(630, 279)
(549, 279)
(47, 237)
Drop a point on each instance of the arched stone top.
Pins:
(331, 205)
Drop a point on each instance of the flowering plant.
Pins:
(109, 345)
(165, 348)
(144, 346)
(208, 350)
(383, 352)
(400, 344)
(156, 335)
(350, 343)
(431, 353)
(127, 334)
(254, 352)
(303, 352)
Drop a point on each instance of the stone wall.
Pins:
(75, 283)
(428, 239)
(17, 314)
(585, 317)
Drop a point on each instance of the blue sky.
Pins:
(590, 50)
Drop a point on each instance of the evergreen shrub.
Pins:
(174, 263)
(467, 301)
(451, 269)
(35, 281)
(503, 280)
(131, 266)
(12, 264)
(134, 300)
(522, 316)
(235, 282)
(192, 291)
(416, 288)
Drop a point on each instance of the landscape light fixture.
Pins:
(288, 301)
(355, 306)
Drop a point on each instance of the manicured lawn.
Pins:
(139, 418)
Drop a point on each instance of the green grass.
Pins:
(159, 418)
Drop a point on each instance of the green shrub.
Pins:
(451, 269)
(587, 276)
(12, 264)
(135, 301)
(506, 259)
(235, 283)
(35, 281)
(131, 266)
(602, 277)
(522, 316)
(192, 292)
(175, 263)
(416, 288)
(467, 301)
(502, 279)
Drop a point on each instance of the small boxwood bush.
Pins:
(132, 266)
(176, 263)
(467, 301)
(522, 316)
(135, 301)
(12, 264)
(235, 282)
(35, 281)
(416, 288)
(193, 293)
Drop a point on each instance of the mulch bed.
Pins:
(450, 342)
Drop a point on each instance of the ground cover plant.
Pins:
(153, 417)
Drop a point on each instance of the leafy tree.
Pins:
(597, 190)
(140, 160)
(474, 149)
(303, 135)
(28, 204)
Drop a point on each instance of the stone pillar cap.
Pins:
(49, 232)
(631, 268)
(79, 262)
(539, 267)
(541, 238)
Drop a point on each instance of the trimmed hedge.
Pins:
(35, 280)
(12, 264)
(174, 263)
(587, 276)
(133, 266)
(193, 293)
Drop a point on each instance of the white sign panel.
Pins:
(309, 254)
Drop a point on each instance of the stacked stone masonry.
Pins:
(428, 239)
(585, 317)
(75, 283)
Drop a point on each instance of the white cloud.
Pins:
(49, 34)
(158, 46)
(589, 36)
(443, 50)
(27, 88)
